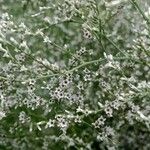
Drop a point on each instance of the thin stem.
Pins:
(134, 2)
(60, 48)
(40, 62)
(115, 46)
(47, 76)
(144, 49)
(99, 25)
(95, 61)
(3, 78)
(103, 34)
(47, 67)
(89, 63)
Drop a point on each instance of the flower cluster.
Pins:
(74, 74)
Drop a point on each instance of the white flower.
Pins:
(22, 25)
(2, 115)
(50, 123)
(23, 45)
(47, 40)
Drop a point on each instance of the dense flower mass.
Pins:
(75, 75)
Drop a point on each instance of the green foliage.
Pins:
(74, 74)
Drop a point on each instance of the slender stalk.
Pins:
(134, 2)
(40, 62)
(115, 46)
(29, 55)
(89, 63)
(60, 48)
(47, 76)
(3, 78)
(95, 61)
